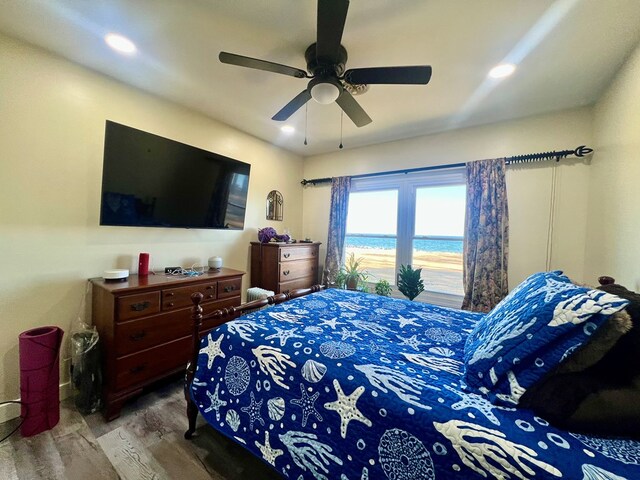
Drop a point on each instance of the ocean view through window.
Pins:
(371, 232)
(416, 221)
(438, 238)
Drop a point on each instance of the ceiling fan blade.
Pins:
(332, 15)
(414, 75)
(353, 109)
(293, 106)
(241, 61)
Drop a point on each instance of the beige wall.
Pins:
(613, 240)
(52, 119)
(529, 186)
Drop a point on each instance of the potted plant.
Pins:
(383, 288)
(409, 281)
(351, 274)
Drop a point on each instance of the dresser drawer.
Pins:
(143, 333)
(134, 306)
(229, 288)
(305, 282)
(181, 297)
(153, 362)
(293, 270)
(289, 254)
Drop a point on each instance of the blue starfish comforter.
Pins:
(346, 385)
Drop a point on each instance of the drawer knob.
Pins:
(135, 337)
(138, 307)
(229, 288)
(171, 304)
(210, 287)
(286, 255)
(209, 296)
(285, 273)
(137, 368)
(170, 294)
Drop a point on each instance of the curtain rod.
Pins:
(581, 151)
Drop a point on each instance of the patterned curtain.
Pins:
(486, 236)
(340, 188)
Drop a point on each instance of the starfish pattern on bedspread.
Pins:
(345, 406)
(331, 323)
(307, 404)
(411, 341)
(212, 350)
(253, 410)
(403, 322)
(283, 335)
(216, 403)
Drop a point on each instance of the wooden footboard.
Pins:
(225, 314)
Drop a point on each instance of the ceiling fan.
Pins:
(326, 60)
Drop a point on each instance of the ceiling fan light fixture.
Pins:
(325, 92)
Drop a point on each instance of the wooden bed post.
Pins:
(192, 409)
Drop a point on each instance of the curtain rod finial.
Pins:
(583, 150)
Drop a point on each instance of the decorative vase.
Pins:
(215, 263)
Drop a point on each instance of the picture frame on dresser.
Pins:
(145, 327)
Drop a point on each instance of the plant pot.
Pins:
(352, 283)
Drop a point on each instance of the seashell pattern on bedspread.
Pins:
(349, 386)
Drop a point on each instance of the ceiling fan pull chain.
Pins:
(341, 117)
(306, 115)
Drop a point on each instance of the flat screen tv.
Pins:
(151, 181)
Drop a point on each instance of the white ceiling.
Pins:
(567, 51)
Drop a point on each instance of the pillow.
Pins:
(601, 397)
(530, 332)
(559, 394)
(610, 411)
(621, 364)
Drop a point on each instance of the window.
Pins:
(415, 219)
(438, 237)
(372, 231)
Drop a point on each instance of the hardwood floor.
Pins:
(145, 443)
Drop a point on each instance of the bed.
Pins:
(347, 385)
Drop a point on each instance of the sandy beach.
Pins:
(441, 272)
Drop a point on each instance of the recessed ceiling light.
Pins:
(120, 44)
(287, 129)
(502, 71)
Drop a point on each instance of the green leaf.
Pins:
(409, 282)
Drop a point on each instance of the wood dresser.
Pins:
(145, 327)
(281, 267)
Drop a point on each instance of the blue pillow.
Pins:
(538, 325)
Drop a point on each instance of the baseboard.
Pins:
(12, 410)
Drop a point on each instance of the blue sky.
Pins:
(439, 211)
